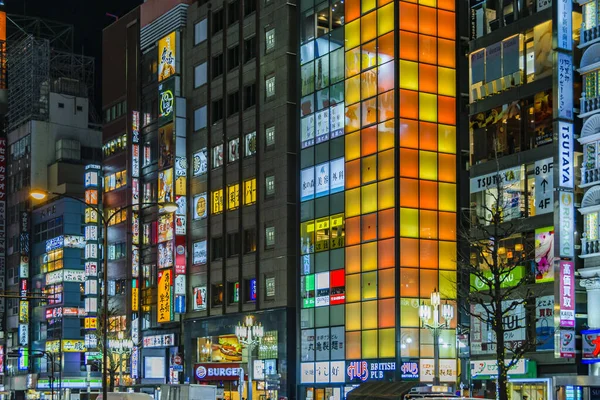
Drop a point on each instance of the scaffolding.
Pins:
(41, 60)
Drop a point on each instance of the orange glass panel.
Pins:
(382, 2)
(409, 252)
(385, 47)
(369, 227)
(385, 165)
(369, 55)
(368, 141)
(427, 78)
(409, 46)
(446, 55)
(409, 282)
(409, 193)
(353, 259)
(446, 4)
(368, 83)
(387, 313)
(427, 20)
(409, 163)
(385, 255)
(428, 224)
(386, 284)
(428, 282)
(427, 49)
(409, 18)
(353, 344)
(385, 79)
(429, 253)
(446, 110)
(386, 106)
(352, 10)
(368, 25)
(446, 24)
(428, 195)
(369, 112)
(352, 231)
(352, 62)
(386, 224)
(352, 119)
(447, 167)
(352, 146)
(409, 133)
(447, 226)
(409, 104)
(352, 174)
(428, 136)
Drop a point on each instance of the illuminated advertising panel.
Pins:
(200, 162)
(165, 227)
(166, 102)
(166, 146)
(165, 255)
(165, 186)
(200, 209)
(199, 256)
(167, 56)
(307, 184)
(164, 308)
(135, 227)
(567, 294)
(200, 298)
(180, 255)
(566, 176)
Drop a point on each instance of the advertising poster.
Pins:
(322, 289)
(336, 175)
(590, 343)
(165, 255)
(135, 160)
(337, 119)
(567, 294)
(164, 307)
(180, 256)
(200, 163)
(307, 131)
(477, 66)
(565, 85)
(322, 126)
(307, 343)
(180, 225)
(234, 149)
(165, 186)
(542, 115)
(167, 56)
(165, 227)
(199, 298)
(166, 102)
(199, 256)
(510, 55)
(307, 184)
(542, 39)
(493, 62)
(566, 346)
(544, 324)
(544, 254)
(250, 144)
(166, 146)
(135, 227)
(322, 180)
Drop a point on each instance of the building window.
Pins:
(200, 75)
(249, 49)
(233, 292)
(200, 118)
(249, 7)
(115, 181)
(270, 87)
(200, 31)
(116, 251)
(249, 240)
(217, 294)
(233, 57)
(270, 185)
(269, 236)
(217, 21)
(217, 65)
(48, 230)
(234, 150)
(270, 136)
(233, 12)
(217, 156)
(250, 144)
(216, 248)
(249, 96)
(217, 111)
(233, 103)
(233, 244)
(270, 40)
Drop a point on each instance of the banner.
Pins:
(164, 309)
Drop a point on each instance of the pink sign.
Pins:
(567, 294)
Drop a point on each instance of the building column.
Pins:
(592, 286)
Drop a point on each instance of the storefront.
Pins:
(522, 377)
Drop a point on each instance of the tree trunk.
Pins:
(501, 386)
(111, 386)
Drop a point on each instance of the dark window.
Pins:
(249, 7)
(233, 57)
(249, 95)
(233, 12)
(79, 108)
(249, 240)
(217, 65)
(233, 244)
(217, 248)
(233, 103)
(217, 111)
(249, 49)
(217, 20)
(217, 294)
(61, 105)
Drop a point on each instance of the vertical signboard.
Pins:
(135, 225)
(567, 294)
(165, 306)
(2, 223)
(564, 65)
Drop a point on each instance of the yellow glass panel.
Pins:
(352, 146)
(446, 81)
(352, 34)
(428, 224)
(430, 3)
(369, 315)
(369, 169)
(409, 222)
(353, 317)
(428, 165)
(353, 345)
(369, 256)
(367, 5)
(448, 284)
(409, 75)
(352, 118)
(352, 288)
(409, 312)
(368, 196)
(352, 62)
(368, 83)
(428, 107)
(385, 165)
(369, 344)
(385, 19)
(368, 26)
(369, 285)
(385, 194)
(353, 259)
(385, 132)
(447, 139)
(447, 199)
(353, 90)
(387, 343)
(352, 202)
(447, 254)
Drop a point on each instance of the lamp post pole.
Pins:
(250, 335)
(426, 312)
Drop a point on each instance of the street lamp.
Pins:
(120, 346)
(40, 354)
(426, 312)
(167, 207)
(249, 334)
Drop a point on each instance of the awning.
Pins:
(380, 390)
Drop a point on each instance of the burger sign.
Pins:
(217, 372)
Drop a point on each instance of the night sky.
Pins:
(88, 18)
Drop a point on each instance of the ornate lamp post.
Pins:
(426, 312)
(250, 335)
(120, 346)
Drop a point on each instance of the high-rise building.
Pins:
(199, 109)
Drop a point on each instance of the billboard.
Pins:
(165, 308)
(167, 56)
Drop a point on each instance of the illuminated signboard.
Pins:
(165, 255)
(167, 56)
(567, 294)
(199, 298)
(566, 233)
(200, 206)
(165, 186)
(164, 308)
(590, 341)
(165, 227)
(73, 346)
(166, 103)
(363, 371)
(566, 174)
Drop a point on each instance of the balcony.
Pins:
(589, 36)
(589, 106)
(590, 248)
(589, 176)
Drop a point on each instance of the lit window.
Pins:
(270, 236)
(270, 87)
(270, 136)
(270, 40)
(234, 150)
(270, 185)
(250, 147)
(217, 156)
